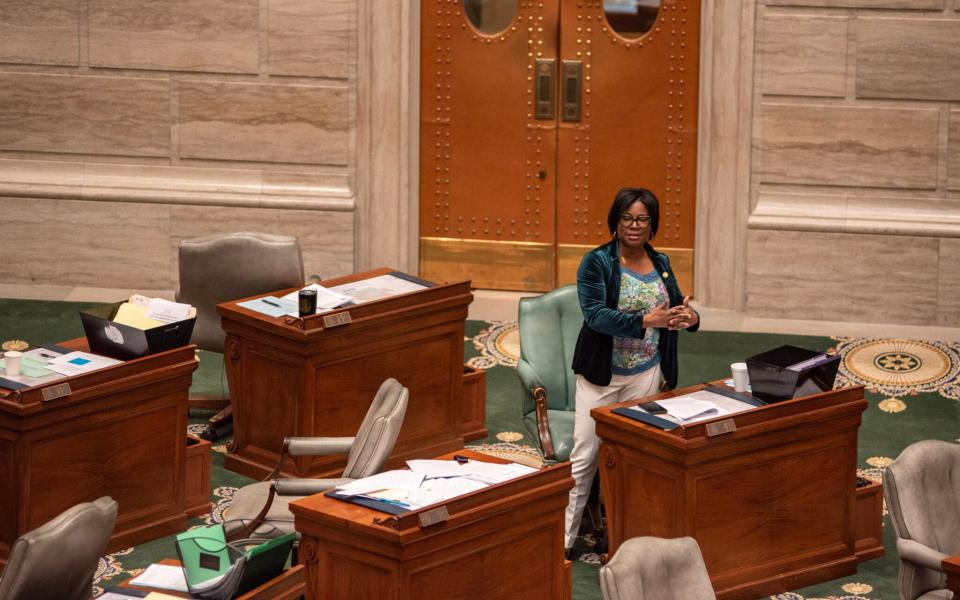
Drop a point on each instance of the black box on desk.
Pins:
(791, 372)
(123, 342)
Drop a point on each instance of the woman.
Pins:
(632, 310)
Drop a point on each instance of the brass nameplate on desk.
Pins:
(433, 516)
(721, 427)
(55, 391)
(335, 320)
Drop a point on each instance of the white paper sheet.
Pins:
(492, 473)
(438, 468)
(476, 470)
(399, 479)
(44, 354)
(165, 311)
(77, 363)
(686, 409)
(164, 577)
(376, 288)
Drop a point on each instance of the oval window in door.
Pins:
(631, 18)
(490, 17)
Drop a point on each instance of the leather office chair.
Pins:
(262, 509)
(649, 568)
(222, 267)
(58, 559)
(922, 490)
(549, 326)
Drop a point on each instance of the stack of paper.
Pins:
(688, 409)
(146, 313)
(377, 288)
(432, 481)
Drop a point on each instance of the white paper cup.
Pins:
(11, 360)
(740, 377)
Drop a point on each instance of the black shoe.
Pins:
(601, 546)
(568, 554)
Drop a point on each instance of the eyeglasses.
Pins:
(627, 220)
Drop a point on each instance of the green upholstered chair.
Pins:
(549, 325)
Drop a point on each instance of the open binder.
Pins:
(219, 570)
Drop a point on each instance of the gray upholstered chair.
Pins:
(223, 267)
(649, 568)
(549, 326)
(262, 509)
(58, 559)
(922, 490)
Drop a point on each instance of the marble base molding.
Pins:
(840, 213)
(174, 185)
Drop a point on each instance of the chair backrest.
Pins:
(223, 267)
(378, 432)
(649, 568)
(549, 326)
(922, 489)
(58, 559)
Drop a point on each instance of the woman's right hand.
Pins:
(659, 316)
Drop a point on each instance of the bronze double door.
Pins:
(533, 113)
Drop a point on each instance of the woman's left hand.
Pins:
(684, 316)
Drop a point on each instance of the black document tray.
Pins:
(123, 342)
(772, 381)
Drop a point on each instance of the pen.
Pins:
(271, 303)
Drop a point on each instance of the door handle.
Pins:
(544, 88)
(572, 90)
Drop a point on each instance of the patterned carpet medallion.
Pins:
(498, 344)
(893, 367)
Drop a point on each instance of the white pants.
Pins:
(585, 440)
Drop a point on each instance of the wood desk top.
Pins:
(434, 298)
(761, 418)
(321, 508)
(27, 401)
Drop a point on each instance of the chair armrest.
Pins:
(528, 375)
(309, 446)
(539, 394)
(318, 446)
(919, 554)
(306, 487)
(534, 387)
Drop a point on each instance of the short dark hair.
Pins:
(625, 199)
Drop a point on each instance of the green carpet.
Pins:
(913, 394)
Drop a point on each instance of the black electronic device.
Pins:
(653, 408)
(791, 372)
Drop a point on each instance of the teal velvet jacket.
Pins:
(598, 287)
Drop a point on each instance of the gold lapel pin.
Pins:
(666, 275)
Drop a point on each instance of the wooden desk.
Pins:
(499, 543)
(121, 432)
(951, 566)
(288, 585)
(771, 503)
(301, 377)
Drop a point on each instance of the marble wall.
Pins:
(854, 200)
(127, 125)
